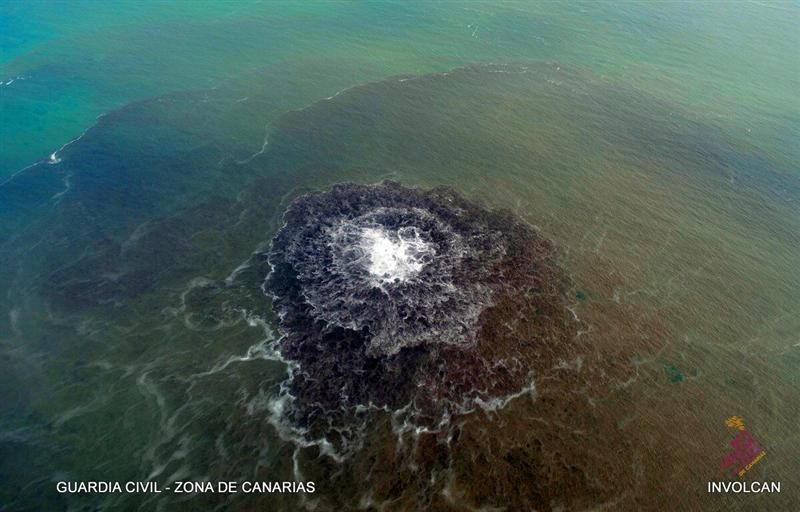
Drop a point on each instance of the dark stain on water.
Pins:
(675, 375)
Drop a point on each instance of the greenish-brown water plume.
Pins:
(139, 338)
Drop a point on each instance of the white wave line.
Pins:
(67, 186)
(9, 82)
(53, 158)
(259, 152)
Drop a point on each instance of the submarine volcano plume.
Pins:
(411, 300)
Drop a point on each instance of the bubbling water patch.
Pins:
(409, 301)
(395, 256)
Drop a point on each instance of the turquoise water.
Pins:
(654, 143)
(735, 64)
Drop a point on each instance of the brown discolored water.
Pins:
(677, 245)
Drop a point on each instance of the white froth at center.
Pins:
(394, 257)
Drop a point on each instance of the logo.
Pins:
(745, 453)
(745, 450)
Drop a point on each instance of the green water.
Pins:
(654, 143)
(736, 64)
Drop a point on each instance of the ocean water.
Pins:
(149, 150)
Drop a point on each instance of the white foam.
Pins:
(13, 318)
(67, 186)
(9, 82)
(394, 258)
(54, 159)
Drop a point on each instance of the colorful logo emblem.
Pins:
(746, 451)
